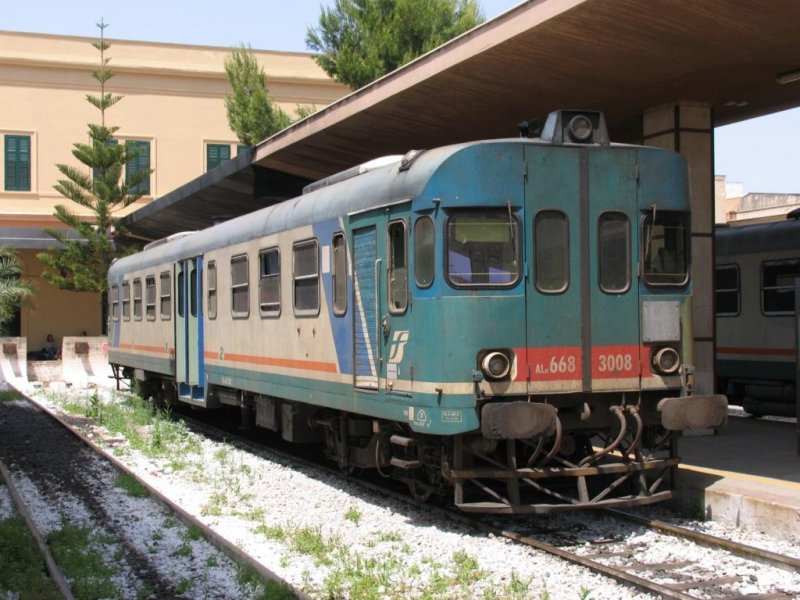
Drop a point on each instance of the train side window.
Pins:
(181, 295)
(339, 274)
(269, 284)
(137, 299)
(211, 286)
(114, 298)
(614, 240)
(240, 287)
(424, 240)
(665, 248)
(777, 286)
(482, 249)
(551, 251)
(150, 297)
(728, 290)
(166, 296)
(306, 278)
(398, 267)
(194, 292)
(126, 300)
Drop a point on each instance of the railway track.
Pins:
(612, 556)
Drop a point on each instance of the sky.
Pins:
(761, 154)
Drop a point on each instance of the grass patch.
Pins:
(131, 486)
(353, 515)
(10, 395)
(309, 540)
(22, 569)
(277, 533)
(79, 555)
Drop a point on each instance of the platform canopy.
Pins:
(740, 57)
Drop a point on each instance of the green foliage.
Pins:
(131, 486)
(79, 555)
(251, 113)
(15, 292)
(22, 571)
(362, 40)
(86, 246)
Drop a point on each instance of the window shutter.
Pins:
(216, 154)
(135, 164)
(18, 163)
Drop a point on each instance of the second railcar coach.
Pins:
(504, 321)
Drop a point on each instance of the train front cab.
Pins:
(605, 367)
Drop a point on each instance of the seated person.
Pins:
(50, 350)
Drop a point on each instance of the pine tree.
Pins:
(252, 115)
(87, 248)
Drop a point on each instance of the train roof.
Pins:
(382, 185)
(760, 237)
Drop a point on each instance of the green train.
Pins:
(504, 324)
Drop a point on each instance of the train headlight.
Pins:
(580, 128)
(666, 361)
(496, 365)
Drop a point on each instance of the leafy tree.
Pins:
(14, 291)
(251, 113)
(87, 248)
(362, 40)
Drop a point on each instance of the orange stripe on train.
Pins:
(308, 365)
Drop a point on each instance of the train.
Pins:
(499, 325)
(755, 271)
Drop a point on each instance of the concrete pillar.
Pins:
(687, 127)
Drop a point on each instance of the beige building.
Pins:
(734, 207)
(172, 108)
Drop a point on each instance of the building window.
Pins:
(777, 286)
(114, 297)
(551, 251)
(138, 164)
(137, 299)
(126, 301)
(269, 284)
(727, 290)
(216, 154)
(18, 163)
(240, 287)
(211, 284)
(614, 240)
(150, 297)
(398, 267)
(306, 278)
(339, 274)
(166, 296)
(424, 238)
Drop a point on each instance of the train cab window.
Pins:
(211, 286)
(306, 278)
(240, 287)
(269, 284)
(137, 299)
(777, 286)
(665, 248)
(339, 274)
(482, 249)
(424, 238)
(166, 296)
(398, 267)
(150, 298)
(727, 290)
(126, 300)
(614, 240)
(114, 299)
(551, 251)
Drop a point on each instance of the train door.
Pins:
(381, 293)
(582, 309)
(189, 350)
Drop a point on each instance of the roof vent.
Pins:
(375, 163)
(575, 127)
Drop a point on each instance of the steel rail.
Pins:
(222, 543)
(52, 567)
(710, 541)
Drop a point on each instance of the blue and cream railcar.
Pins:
(756, 267)
(507, 319)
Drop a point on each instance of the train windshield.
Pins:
(482, 249)
(665, 247)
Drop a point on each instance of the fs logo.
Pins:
(399, 340)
